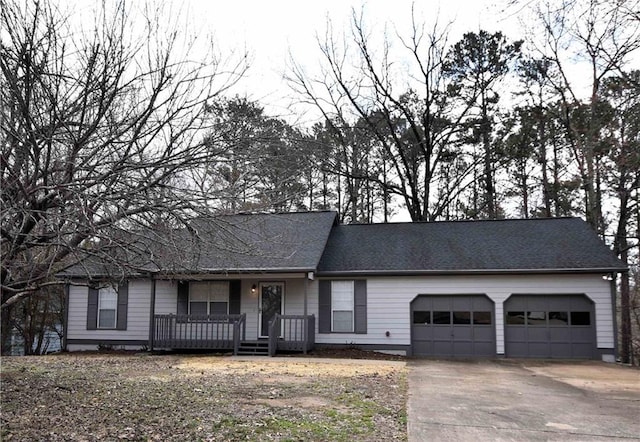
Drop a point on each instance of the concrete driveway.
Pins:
(507, 400)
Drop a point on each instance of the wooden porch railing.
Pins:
(292, 333)
(210, 332)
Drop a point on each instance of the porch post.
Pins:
(306, 284)
(308, 276)
(152, 314)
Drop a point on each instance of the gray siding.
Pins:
(389, 298)
(138, 315)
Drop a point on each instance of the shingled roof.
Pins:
(532, 245)
(261, 242)
(264, 242)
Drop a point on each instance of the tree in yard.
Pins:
(97, 127)
(255, 160)
(476, 64)
(622, 140)
(38, 319)
(602, 36)
(413, 119)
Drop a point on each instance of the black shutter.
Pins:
(92, 309)
(183, 298)
(360, 305)
(234, 296)
(324, 306)
(123, 302)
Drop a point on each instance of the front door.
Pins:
(271, 302)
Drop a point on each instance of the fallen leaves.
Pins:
(144, 397)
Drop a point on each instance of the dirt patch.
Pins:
(594, 376)
(170, 397)
(285, 368)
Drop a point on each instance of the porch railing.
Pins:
(292, 333)
(210, 332)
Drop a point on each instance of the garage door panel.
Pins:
(442, 348)
(441, 333)
(517, 333)
(556, 326)
(539, 303)
(455, 330)
(539, 349)
(557, 334)
(581, 334)
(517, 349)
(421, 332)
(462, 333)
(560, 350)
(461, 303)
(422, 347)
(463, 349)
(484, 348)
(441, 303)
(584, 351)
(422, 304)
(484, 334)
(538, 334)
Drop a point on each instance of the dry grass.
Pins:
(144, 397)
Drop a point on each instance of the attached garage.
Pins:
(550, 326)
(453, 326)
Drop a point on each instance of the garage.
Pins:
(453, 326)
(550, 326)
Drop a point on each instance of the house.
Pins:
(272, 282)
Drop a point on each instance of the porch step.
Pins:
(254, 348)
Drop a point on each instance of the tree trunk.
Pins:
(5, 327)
(546, 191)
(488, 170)
(621, 249)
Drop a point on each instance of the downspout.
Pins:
(152, 311)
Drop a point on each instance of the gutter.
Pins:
(322, 273)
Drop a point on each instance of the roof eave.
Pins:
(322, 273)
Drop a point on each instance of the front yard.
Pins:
(144, 397)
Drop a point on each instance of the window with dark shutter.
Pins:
(324, 306)
(107, 307)
(342, 306)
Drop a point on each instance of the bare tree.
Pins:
(97, 127)
(603, 35)
(416, 127)
(622, 142)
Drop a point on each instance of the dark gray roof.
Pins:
(533, 245)
(285, 242)
(260, 242)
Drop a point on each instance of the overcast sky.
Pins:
(270, 30)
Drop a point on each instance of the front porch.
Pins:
(228, 332)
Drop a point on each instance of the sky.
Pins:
(272, 31)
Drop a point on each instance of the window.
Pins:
(442, 318)
(580, 318)
(536, 318)
(515, 318)
(421, 317)
(107, 307)
(342, 306)
(549, 319)
(482, 318)
(209, 298)
(461, 318)
(558, 318)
